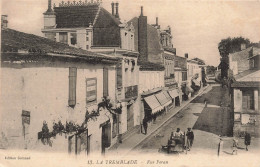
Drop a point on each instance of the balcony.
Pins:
(131, 92)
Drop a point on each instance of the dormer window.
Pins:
(73, 39)
(63, 36)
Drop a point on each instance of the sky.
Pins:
(197, 25)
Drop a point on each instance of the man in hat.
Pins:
(190, 138)
(247, 140)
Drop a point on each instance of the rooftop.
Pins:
(79, 15)
(18, 42)
(149, 66)
(241, 55)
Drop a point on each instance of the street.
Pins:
(208, 123)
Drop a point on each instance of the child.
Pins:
(235, 145)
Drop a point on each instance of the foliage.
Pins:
(211, 70)
(231, 45)
(227, 46)
(70, 127)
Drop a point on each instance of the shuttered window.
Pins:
(63, 36)
(105, 82)
(91, 90)
(184, 76)
(72, 85)
(119, 76)
(248, 99)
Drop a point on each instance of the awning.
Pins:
(196, 82)
(163, 99)
(153, 103)
(167, 95)
(174, 93)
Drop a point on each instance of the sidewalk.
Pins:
(134, 140)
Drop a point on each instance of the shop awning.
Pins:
(153, 103)
(163, 99)
(167, 95)
(174, 93)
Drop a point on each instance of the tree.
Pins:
(211, 70)
(227, 46)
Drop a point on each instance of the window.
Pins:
(63, 36)
(105, 82)
(72, 85)
(73, 39)
(87, 39)
(184, 76)
(87, 33)
(248, 99)
(91, 90)
(176, 63)
(87, 47)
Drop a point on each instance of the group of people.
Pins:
(247, 141)
(178, 135)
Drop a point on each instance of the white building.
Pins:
(46, 81)
(89, 26)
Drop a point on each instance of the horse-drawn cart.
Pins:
(175, 145)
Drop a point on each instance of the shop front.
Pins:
(174, 94)
(151, 107)
(164, 100)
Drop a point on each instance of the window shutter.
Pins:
(105, 82)
(72, 85)
(251, 101)
(119, 76)
(248, 100)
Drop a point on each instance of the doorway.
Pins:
(130, 117)
(105, 137)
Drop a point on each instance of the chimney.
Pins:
(117, 14)
(49, 17)
(113, 7)
(4, 22)
(142, 37)
(157, 21)
(243, 46)
(186, 55)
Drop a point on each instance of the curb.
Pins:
(181, 107)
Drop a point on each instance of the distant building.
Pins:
(245, 95)
(180, 73)
(151, 61)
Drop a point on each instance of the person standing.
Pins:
(190, 138)
(145, 125)
(235, 145)
(220, 146)
(247, 140)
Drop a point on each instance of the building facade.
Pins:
(87, 25)
(245, 92)
(53, 96)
